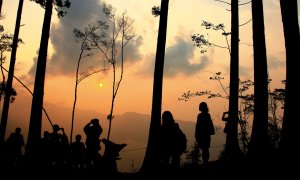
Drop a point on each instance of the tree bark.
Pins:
(35, 126)
(151, 157)
(232, 149)
(259, 145)
(1, 2)
(289, 143)
(10, 75)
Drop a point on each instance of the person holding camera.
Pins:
(93, 131)
(59, 145)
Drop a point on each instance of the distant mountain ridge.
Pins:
(133, 128)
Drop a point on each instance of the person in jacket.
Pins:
(204, 129)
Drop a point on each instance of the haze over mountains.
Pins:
(130, 128)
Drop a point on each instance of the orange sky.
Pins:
(185, 67)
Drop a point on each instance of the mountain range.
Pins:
(131, 128)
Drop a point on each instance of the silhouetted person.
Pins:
(204, 129)
(78, 152)
(45, 149)
(14, 144)
(59, 145)
(172, 141)
(93, 131)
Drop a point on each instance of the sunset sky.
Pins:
(185, 67)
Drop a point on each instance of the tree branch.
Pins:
(30, 93)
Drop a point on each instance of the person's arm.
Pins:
(63, 131)
(101, 130)
(211, 126)
(86, 127)
(197, 127)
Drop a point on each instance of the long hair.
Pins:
(203, 107)
(167, 118)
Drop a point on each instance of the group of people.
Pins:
(56, 150)
(172, 141)
(77, 153)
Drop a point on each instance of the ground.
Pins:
(220, 169)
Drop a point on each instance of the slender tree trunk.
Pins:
(259, 146)
(75, 92)
(232, 148)
(289, 143)
(10, 75)
(151, 159)
(116, 86)
(35, 125)
(3, 77)
(1, 2)
(113, 56)
(112, 101)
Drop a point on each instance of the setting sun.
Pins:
(100, 85)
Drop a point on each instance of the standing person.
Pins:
(93, 131)
(77, 152)
(204, 129)
(172, 141)
(58, 145)
(14, 144)
(45, 149)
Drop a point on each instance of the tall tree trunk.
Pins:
(151, 158)
(35, 125)
(259, 146)
(10, 75)
(75, 92)
(232, 148)
(1, 2)
(289, 143)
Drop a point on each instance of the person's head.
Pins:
(78, 137)
(18, 130)
(167, 118)
(95, 121)
(203, 107)
(55, 127)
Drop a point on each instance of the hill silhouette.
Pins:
(131, 128)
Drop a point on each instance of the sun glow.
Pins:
(100, 85)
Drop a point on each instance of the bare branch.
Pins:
(246, 22)
(247, 44)
(89, 74)
(223, 2)
(241, 4)
(30, 93)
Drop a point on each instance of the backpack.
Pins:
(182, 142)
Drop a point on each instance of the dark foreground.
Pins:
(213, 170)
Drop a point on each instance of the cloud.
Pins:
(66, 51)
(131, 51)
(274, 62)
(33, 67)
(178, 61)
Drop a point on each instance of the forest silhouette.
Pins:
(54, 155)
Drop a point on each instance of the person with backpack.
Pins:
(172, 141)
(204, 129)
(14, 144)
